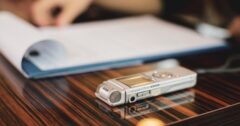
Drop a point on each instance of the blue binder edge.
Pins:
(34, 72)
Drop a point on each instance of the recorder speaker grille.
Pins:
(115, 97)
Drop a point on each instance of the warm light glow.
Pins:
(150, 122)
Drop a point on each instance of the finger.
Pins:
(235, 27)
(71, 10)
(41, 12)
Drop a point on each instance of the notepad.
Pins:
(55, 51)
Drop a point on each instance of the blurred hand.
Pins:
(70, 9)
(234, 27)
(19, 7)
(132, 6)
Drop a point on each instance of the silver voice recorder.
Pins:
(132, 88)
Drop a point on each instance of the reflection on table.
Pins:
(141, 108)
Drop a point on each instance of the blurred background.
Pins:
(217, 12)
(190, 13)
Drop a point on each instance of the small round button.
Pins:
(162, 75)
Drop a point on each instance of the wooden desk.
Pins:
(70, 100)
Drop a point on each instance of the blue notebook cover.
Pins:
(34, 72)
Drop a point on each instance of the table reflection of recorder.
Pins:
(149, 106)
(136, 87)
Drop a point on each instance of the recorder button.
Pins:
(169, 75)
(162, 75)
(143, 94)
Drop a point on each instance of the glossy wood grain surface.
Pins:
(70, 100)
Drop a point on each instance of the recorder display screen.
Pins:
(135, 80)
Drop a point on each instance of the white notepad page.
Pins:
(96, 42)
(126, 38)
